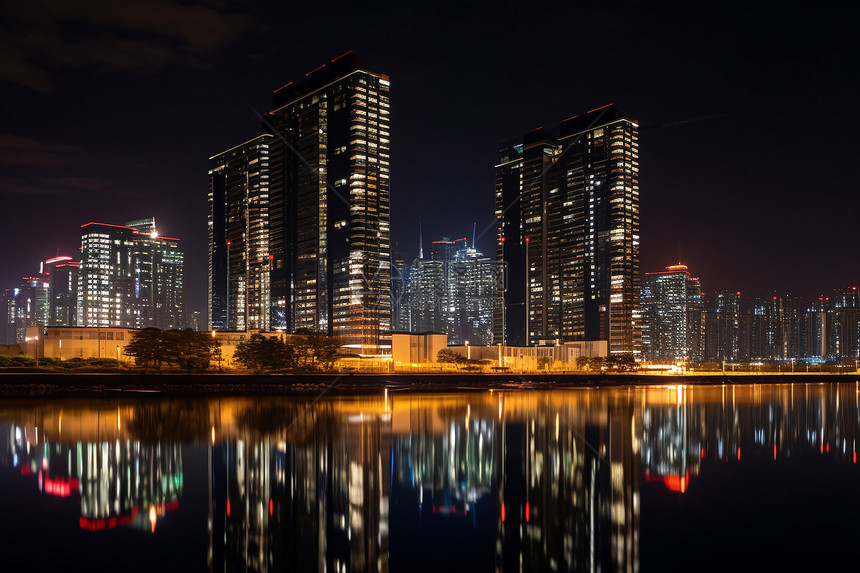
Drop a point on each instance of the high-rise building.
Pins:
(130, 277)
(672, 316)
(567, 207)
(22, 307)
(239, 262)
(62, 274)
(454, 292)
(721, 327)
(328, 208)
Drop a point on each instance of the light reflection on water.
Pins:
(503, 481)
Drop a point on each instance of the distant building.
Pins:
(454, 292)
(672, 316)
(23, 307)
(722, 323)
(130, 277)
(401, 311)
(567, 207)
(62, 274)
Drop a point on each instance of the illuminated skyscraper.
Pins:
(722, 323)
(329, 204)
(130, 277)
(62, 274)
(23, 307)
(239, 260)
(672, 316)
(568, 232)
(454, 292)
(321, 184)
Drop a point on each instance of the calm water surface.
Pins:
(758, 477)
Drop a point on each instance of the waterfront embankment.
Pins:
(27, 384)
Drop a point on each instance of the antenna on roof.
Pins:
(474, 229)
(420, 241)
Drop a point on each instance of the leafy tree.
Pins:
(448, 356)
(314, 349)
(189, 349)
(186, 349)
(264, 353)
(582, 362)
(146, 347)
(595, 363)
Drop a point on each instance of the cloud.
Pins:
(17, 151)
(39, 36)
(54, 186)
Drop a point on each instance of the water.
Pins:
(649, 478)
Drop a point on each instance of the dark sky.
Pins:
(749, 118)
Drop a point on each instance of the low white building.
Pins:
(412, 348)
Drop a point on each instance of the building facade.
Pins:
(328, 190)
(722, 323)
(23, 307)
(454, 292)
(62, 274)
(567, 207)
(672, 316)
(239, 261)
(130, 277)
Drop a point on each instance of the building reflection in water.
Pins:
(119, 477)
(528, 480)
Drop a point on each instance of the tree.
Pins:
(264, 353)
(186, 349)
(582, 362)
(448, 356)
(146, 347)
(626, 362)
(314, 349)
(189, 349)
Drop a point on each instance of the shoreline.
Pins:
(51, 384)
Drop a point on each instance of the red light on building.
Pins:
(527, 511)
(228, 508)
(599, 108)
(739, 454)
(342, 55)
(283, 86)
(774, 451)
(503, 505)
(57, 260)
(271, 507)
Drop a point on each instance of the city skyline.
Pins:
(726, 119)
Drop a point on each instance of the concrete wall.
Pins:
(407, 348)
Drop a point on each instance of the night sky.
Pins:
(748, 116)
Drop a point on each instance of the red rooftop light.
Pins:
(105, 225)
(283, 86)
(342, 55)
(601, 107)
